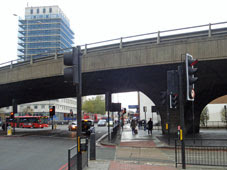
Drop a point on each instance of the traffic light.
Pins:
(173, 101)
(71, 74)
(190, 78)
(11, 115)
(52, 111)
(163, 97)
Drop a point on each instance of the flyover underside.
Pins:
(149, 79)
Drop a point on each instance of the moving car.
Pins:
(102, 122)
(73, 126)
(88, 126)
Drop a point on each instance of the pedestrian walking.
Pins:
(133, 125)
(150, 126)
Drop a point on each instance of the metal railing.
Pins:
(115, 130)
(214, 124)
(72, 158)
(204, 152)
(207, 30)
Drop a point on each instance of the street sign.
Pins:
(133, 106)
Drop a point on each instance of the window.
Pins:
(44, 10)
(50, 10)
(37, 11)
(31, 11)
(35, 107)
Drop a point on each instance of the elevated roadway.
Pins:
(138, 65)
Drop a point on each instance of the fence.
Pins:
(72, 158)
(214, 124)
(206, 152)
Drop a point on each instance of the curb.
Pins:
(98, 142)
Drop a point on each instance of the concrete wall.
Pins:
(141, 55)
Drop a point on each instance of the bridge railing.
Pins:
(207, 30)
(34, 59)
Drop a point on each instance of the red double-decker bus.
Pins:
(28, 121)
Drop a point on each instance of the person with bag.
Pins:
(133, 126)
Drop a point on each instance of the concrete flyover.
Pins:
(139, 65)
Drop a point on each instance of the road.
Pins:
(43, 148)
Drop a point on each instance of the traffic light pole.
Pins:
(79, 123)
(167, 110)
(52, 123)
(108, 102)
(193, 120)
(181, 98)
(14, 111)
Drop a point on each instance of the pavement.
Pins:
(141, 152)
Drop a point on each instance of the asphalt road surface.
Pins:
(43, 148)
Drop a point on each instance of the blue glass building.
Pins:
(44, 29)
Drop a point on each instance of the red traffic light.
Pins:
(194, 62)
(12, 115)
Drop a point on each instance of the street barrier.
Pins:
(205, 152)
(92, 147)
(72, 158)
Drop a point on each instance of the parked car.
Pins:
(73, 126)
(88, 126)
(102, 122)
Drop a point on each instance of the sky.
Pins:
(98, 20)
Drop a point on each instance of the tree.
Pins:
(94, 105)
(224, 115)
(204, 117)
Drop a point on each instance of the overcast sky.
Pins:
(97, 20)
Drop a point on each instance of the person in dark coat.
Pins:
(150, 126)
(133, 125)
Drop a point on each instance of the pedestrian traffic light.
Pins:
(52, 111)
(71, 74)
(11, 115)
(173, 101)
(190, 77)
(163, 97)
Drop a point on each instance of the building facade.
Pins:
(64, 109)
(45, 29)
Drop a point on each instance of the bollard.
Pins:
(92, 147)
(9, 131)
